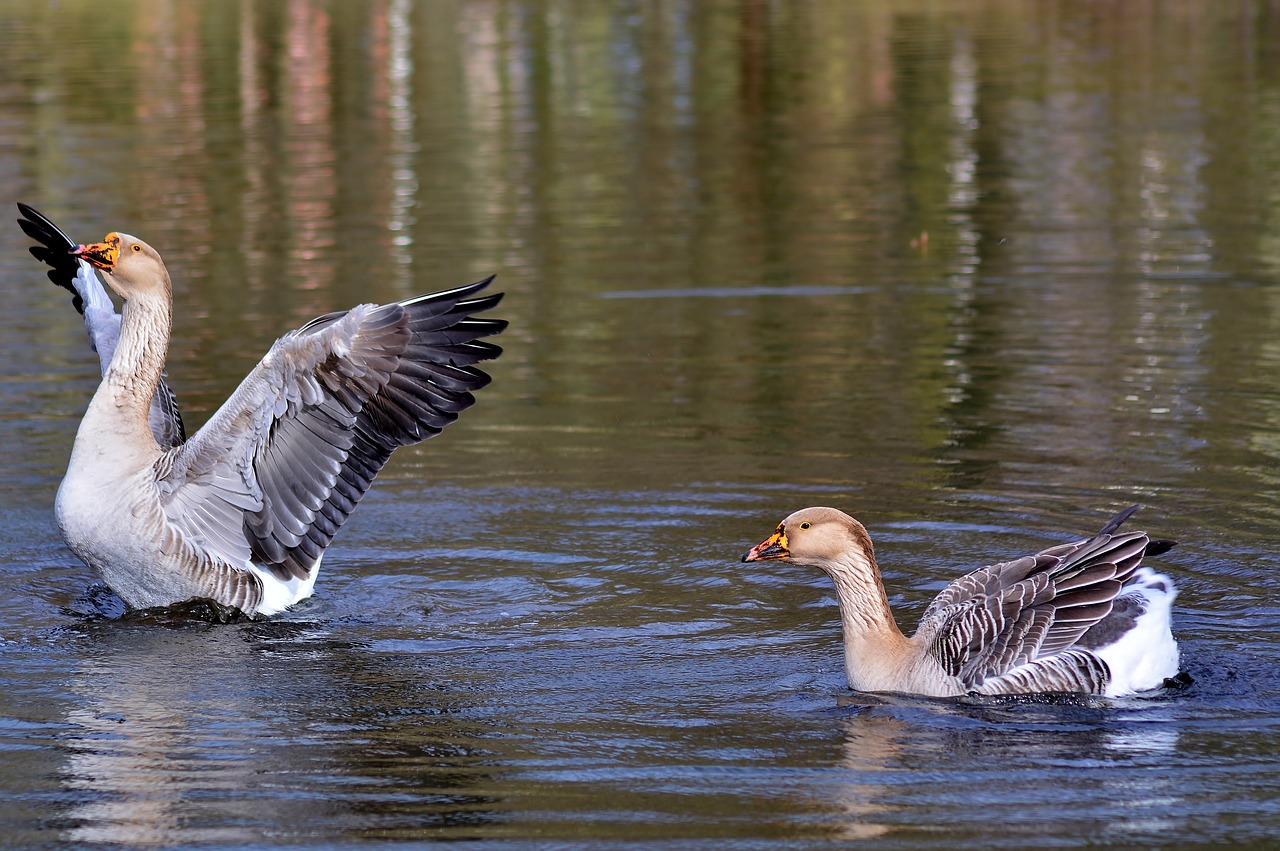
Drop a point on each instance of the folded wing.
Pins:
(1019, 621)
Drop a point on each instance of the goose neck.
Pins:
(140, 354)
(874, 646)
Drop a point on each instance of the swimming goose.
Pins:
(100, 318)
(241, 513)
(1081, 617)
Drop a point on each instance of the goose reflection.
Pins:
(873, 746)
(198, 733)
(907, 764)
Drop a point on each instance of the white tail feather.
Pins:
(1145, 656)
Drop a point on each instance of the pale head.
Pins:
(819, 536)
(129, 266)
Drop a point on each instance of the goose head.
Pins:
(819, 537)
(129, 266)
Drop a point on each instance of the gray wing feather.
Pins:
(1071, 671)
(1012, 619)
(278, 469)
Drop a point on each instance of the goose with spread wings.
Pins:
(242, 511)
(1083, 617)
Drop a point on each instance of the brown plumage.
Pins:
(1041, 623)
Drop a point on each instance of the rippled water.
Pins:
(979, 273)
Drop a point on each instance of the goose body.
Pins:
(242, 511)
(1082, 617)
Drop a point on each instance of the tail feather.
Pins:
(1143, 655)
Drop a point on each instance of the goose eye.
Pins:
(805, 525)
(136, 247)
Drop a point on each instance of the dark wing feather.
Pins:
(1072, 671)
(421, 377)
(165, 418)
(294, 449)
(54, 250)
(992, 622)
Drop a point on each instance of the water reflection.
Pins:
(210, 734)
(1025, 233)
(990, 266)
(907, 762)
(872, 748)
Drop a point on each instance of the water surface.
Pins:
(979, 273)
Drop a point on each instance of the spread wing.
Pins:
(277, 470)
(1015, 624)
(90, 299)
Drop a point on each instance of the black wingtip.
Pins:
(479, 305)
(1116, 522)
(466, 290)
(1155, 548)
(459, 297)
(53, 251)
(38, 226)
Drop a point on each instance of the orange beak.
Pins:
(773, 547)
(101, 254)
